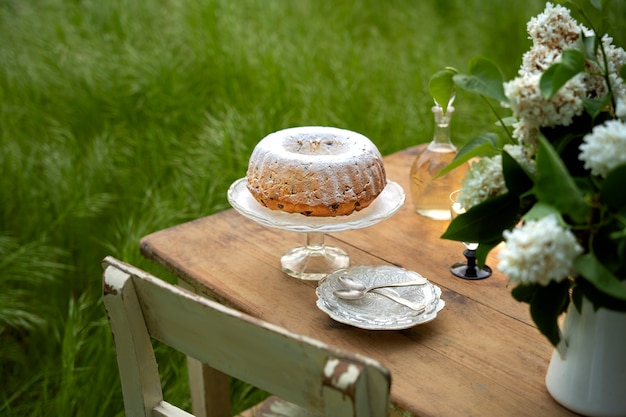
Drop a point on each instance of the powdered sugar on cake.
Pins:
(316, 171)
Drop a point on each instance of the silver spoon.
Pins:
(348, 294)
(353, 284)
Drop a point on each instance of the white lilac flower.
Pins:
(484, 179)
(528, 103)
(595, 85)
(526, 134)
(615, 55)
(540, 251)
(538, 59)
(604, 148)
(554, 28)
(615, 59)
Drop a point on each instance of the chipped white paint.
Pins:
(279, 408)
(345, 379)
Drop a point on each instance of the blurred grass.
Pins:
(122, 117)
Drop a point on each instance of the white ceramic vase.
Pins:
(587, 372)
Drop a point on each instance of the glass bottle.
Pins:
(431, 197)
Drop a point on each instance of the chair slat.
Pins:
(135, 357)
(298, 369)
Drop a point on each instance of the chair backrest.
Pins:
(296, 368)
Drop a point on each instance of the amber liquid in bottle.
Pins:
(431, 197)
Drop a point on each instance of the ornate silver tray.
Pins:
(375, 312)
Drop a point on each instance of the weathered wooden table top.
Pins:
(481, 356)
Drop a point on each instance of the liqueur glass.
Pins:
(468, 269)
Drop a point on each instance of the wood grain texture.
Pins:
(482, 356)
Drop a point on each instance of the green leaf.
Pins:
(595, 106)
(524, 293)
(577, 297)
(546, 305)
(622, 72)
(516, 178)
(555, 186)
(589, 45)
(601, 277)
(540, 210)
(441, 87)
(508, 121)
(572, 63)
(486, 221)
(612, 189)
(485, 79)
(482, 145)
(483, 250)
(485, 144)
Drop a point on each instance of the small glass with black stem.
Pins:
(467, 269)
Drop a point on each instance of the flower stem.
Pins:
(605, 68)
(508, 133)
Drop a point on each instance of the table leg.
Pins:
(210, 393)
(209, 388)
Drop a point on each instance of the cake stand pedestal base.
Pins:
(315, 260)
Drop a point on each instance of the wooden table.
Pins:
(482, 356)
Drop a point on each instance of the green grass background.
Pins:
(122, 117)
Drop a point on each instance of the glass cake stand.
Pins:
(315, 260)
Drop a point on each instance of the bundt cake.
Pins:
(316, 171)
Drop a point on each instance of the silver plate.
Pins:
(384, 206)
(375, 312)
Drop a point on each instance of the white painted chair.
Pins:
(303, 374)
